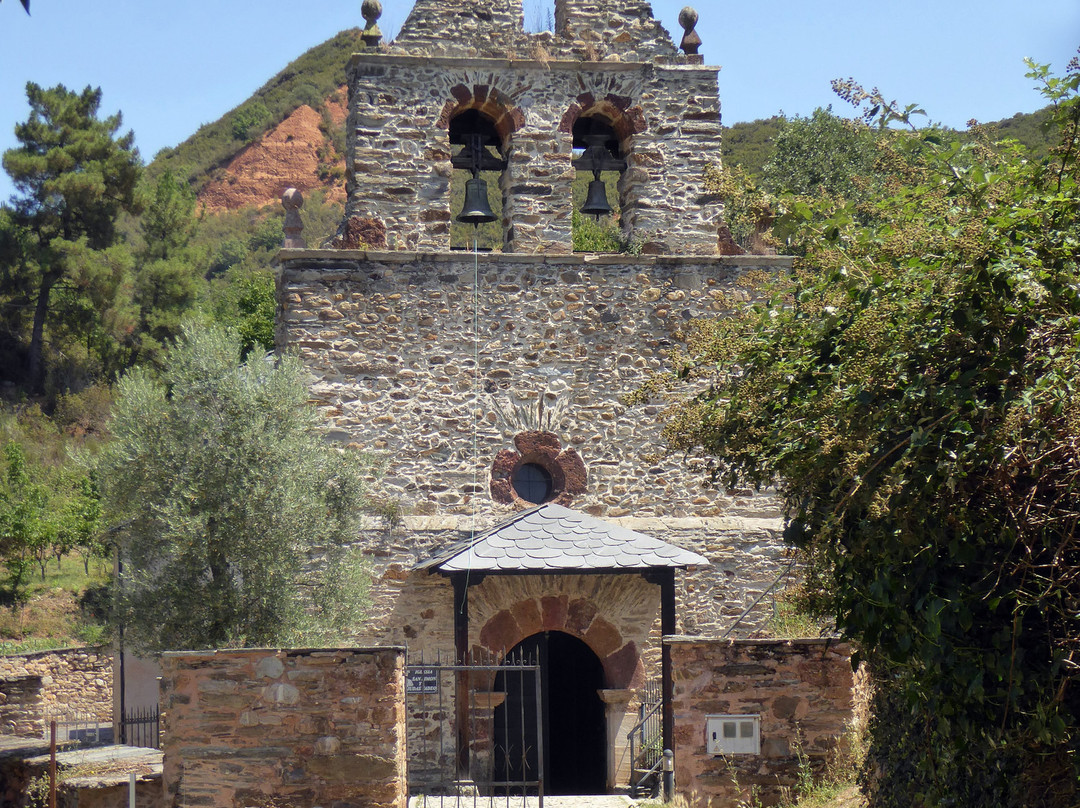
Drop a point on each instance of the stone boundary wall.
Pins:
(94, 777)
(21, 708)
(77, 795)
(75, 682)
(803, 691)
(273, 727)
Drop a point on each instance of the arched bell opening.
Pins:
(600, 162)
(475, 194)
(572, 732)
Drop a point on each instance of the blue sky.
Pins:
(170, 67)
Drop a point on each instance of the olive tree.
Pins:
(233, 516)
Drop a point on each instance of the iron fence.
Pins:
(81, 729)
(142, 727)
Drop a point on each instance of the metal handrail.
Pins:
(634, 787)
(652, 741)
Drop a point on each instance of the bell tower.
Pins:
(607, 90)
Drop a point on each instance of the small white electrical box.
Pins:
(733, 734)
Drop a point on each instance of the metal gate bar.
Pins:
(425, 689)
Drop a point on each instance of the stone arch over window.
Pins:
(615, 121)
(489, 113)
(626, 118)
(492, 102)
(578, 617)
(537, 451)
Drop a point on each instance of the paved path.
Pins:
(591, 801)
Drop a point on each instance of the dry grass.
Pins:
(52, 617)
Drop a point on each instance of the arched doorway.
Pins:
(575, 738)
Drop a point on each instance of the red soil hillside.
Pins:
(287, 156)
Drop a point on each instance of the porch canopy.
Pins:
(552, 539)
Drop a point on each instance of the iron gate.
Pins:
(474, 731)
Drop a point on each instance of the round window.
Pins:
(533, 483)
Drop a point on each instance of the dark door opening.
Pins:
(574, 733)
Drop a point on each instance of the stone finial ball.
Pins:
(292, 199)
(371, 10)
(688, 18)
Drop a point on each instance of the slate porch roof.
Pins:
(551, 538)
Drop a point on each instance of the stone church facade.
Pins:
(496, 385)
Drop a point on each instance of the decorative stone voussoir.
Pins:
(544, 449)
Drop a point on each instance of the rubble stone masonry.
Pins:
(299, 727)
(438, 360)
(21, 710)
(803, 691)
(609, 30)
(75, 682)
(666, 118)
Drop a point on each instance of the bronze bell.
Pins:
(596, 203)
(476, 210)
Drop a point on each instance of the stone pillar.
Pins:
(625, 27)
(667, 208)
(298, 727)
(616, 708)
(397, 167)
(481, 741)
(538, 193)
(484, 26)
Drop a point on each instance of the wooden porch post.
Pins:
(667, 627)
(461, 651)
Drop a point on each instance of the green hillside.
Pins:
(310, 79)
(750, 145)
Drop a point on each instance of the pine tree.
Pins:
(73, 177)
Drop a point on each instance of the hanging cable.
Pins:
(476, 409)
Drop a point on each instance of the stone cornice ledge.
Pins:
(554, 65)
(227, 652)
(833, 643)
(642, 524)
(328, 257)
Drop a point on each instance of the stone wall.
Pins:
(803, 691)
(583, 29)
(15, 775)
(624, 29)
(666, 117)
(22, 711)
(265, 727)
(392, 341)
(93, 777)
(75, 682)
(390, 344)
(480, 26)
(78, 795)
(389, 340)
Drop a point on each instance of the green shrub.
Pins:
(592, 236)
(249, 121)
